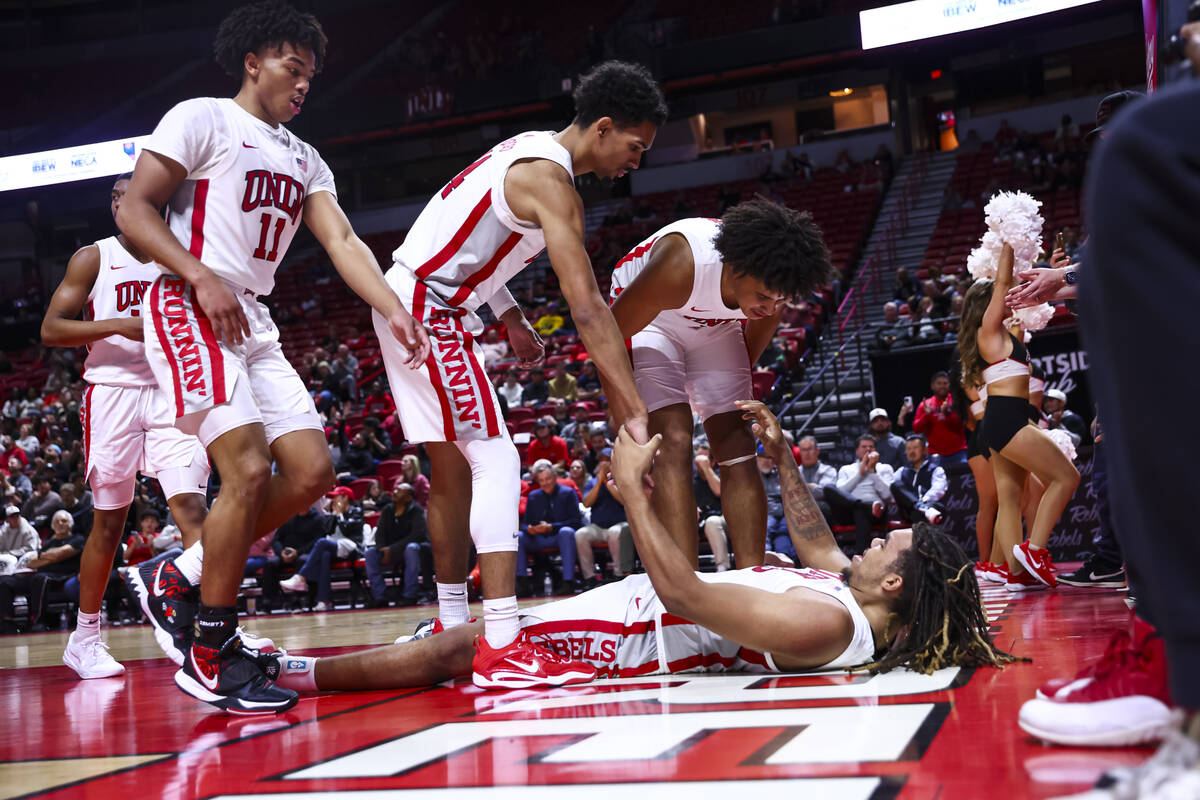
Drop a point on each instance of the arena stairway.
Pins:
(836, 391)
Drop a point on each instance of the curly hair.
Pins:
(940, 611)
(775, 244)
(269, 23)
(626, 92)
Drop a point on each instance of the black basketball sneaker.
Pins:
(169, 600)
(231, 679)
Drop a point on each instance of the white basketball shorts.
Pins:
(679, 362)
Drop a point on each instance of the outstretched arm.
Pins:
(806, 633)
(60, 328)
(355, 262)
(543, 193)
(810, 535)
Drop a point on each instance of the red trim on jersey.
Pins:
(700, 660)
(431, 364)
(489, 407)
(486, 271)
(649, 668)
(671, 619)
(636, 252)
(592, 626)
(198, 202)
(87, 429)
(753, 657)
(156, 315)
(460, 236)
(215, 358)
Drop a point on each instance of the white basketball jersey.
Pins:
(466, 244)
(704, 307)
(244, 195)
(117, 293)
(685, 646)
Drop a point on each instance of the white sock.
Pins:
(722, 567)
(299, 674)
(452, 604)
(500, 622)
(191, 563)
(1033, 546)
(87, 626)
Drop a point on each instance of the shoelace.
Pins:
(94, 646)
(546, 653)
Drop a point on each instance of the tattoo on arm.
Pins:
(804, 517)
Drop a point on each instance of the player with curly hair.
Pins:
(237, 184)
(910, 600)
(681, 296)
(477, 233)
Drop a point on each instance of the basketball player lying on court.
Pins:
(910, 601)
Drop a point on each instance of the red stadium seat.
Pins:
(360, 486)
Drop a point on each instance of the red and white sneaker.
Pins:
(992, 573)
(1120, 647)
(1022, 582)
(1037, 562)
(523, 664)
(1124, 702)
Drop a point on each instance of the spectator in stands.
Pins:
(57, 561)
(1059, 417)
(345, 372)
(511, 391)
(377, 439)
(18, 480)
(894, 333)
(971, 143)
(59, 469)
(11, 451)
(18, 541)
(537, 391)
(587, 384)
(78, 505)
(12, 407)
(546, 445)
(607, 525)
(28, 441)
(562, 385)
(401, 534)
(888, 445)
(493, 347)
(1071, 245)
(596, 442)
(357, 461)
(920, 486)
(818, 475)
(941, 425)
(42, 504)
(1067, 130)
(412, 475)
(260, 554)
(343, 540)
(374, 500)
(778, 538)
(862, 492)
(139, 544)
(293, 540)
(550, 520)
(378, 403)
(706, 486)
(32, 405)
(580, 427)
(906, 289)
(578, 473)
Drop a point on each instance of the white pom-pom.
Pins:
(983, 259)
(1064, 442)
(1033, 318)
(1014, 217)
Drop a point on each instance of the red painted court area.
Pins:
(950, 735)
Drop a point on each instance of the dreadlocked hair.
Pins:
(975, 303)
(621, 90)
(266, 24)
(779, 246)
(939, 611)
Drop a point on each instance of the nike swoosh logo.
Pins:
(1110, 577)
(114, 266)
(208, 683)
(530, 667)
(158, 587)
(250, 146)
(700, 310)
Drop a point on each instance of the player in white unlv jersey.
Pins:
(908, 601)
(237, 184)
(682, 296)
(127, 425)
(475, 234)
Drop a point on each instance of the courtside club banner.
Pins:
(925, 19)
(68, 164)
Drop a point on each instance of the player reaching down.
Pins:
(236, 184)
(478, 232)
(908, 601)
(681, 296)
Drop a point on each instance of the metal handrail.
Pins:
(837, 381)
(787, 407)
